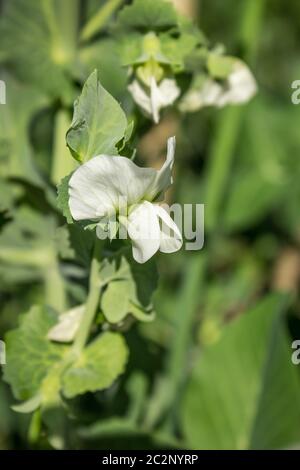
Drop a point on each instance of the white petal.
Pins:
(170, 236)
(207, 95)
(163, 179)
(105, 185)
(157, 97)
(67, 326)
(156, 100)
(144, 231)
(169, 91)
(140, 96)
(242, 86)
(163, 95)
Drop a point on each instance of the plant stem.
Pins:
(35, 427)
(63, 20)
(92, 301)
(99, 20)
(62, 161)
(184, 315)
(250, 28)
(55, 294)
(219, 162)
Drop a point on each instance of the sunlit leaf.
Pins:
(98, 366)
(129, 289)
(30, 355)
(235, 396)
(98, 122)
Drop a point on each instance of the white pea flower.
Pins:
(152, 99)
(196, 98)
(241, 86)
(115, 190)
(238, 88)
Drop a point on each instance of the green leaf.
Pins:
(30, 356)
(165, 48)
(148, 15)
(131, 49)
(82, 241)
(98, 122)
(38, 369)
(129, 290)
(115, 303)
(231, 401)
(97, 367)
(63, 198)
(278, 411)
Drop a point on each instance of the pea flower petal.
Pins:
(163, 178)
(109, 188)
(170, 236)
(241, 86)
(158, 96)
(151, 229)
(96, 189)
(144, 231)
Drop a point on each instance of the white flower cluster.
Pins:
(239, 88)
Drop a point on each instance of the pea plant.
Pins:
(83, 257)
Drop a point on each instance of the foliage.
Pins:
(191, 350)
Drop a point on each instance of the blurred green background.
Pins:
(214, 369)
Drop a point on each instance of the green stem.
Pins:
(55, 293)
(92, 301)
(99, 20)
(62, 161)
(35, 425)
(220, 161)
(62, 18)
(250, 28)
(68, 21)
(184, 316)
(37, 257)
